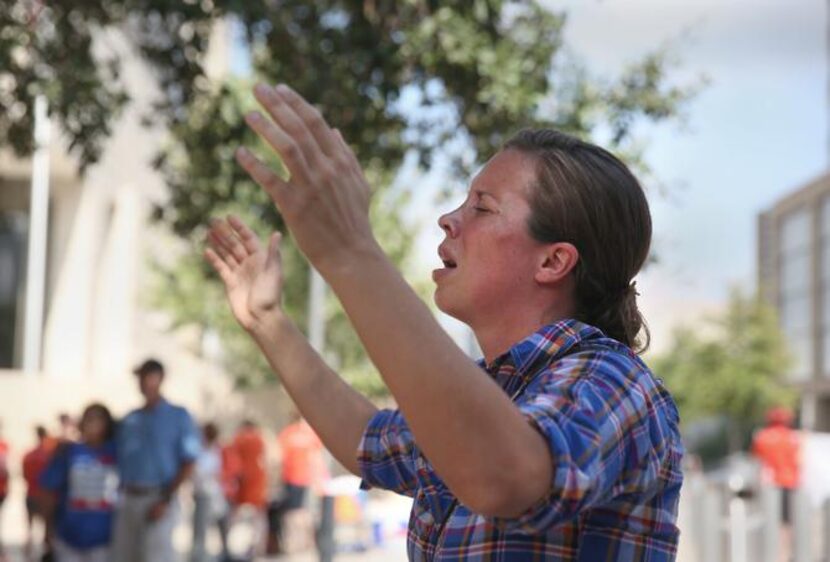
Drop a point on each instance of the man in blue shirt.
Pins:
(157, 446)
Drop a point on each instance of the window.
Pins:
(12, 263)
(794, 294)
(824, 273)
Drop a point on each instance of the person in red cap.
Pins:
(778, 447)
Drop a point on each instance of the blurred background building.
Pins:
(78, 338)
(794, 277)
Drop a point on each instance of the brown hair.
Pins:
(586, 196)
(104, 412)
(210, 432)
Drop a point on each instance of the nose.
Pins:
(449, 223)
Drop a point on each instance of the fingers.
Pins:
(277, 189)
(349, 158)
(227, 239)
(219, 266)
(249, 239)
(311, 118)
(287, 134)
(273, 258)
(282, 142)
(232, 241)
(346, 149)
(218, 246)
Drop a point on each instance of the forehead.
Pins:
(508, 173)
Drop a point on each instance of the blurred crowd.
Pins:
(104, 489)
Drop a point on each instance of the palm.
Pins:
(251, 273)
(252, 289)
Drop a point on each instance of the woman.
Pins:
(82, 485)
(558, 445)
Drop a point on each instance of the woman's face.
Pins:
(93, 427)
(489, 256)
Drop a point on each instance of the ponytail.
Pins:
(586, 196)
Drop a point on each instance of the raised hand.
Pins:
(325, 203)
(252, 274)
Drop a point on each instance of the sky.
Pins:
(756, 132)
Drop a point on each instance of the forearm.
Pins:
(338, 413)
(466, 425)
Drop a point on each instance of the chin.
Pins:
(448, 307)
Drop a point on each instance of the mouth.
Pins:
(448, 263)
(446, 258)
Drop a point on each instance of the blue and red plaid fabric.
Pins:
(613, 433)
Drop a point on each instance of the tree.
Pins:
(451, 79)
(734, 365)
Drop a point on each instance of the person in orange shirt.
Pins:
(302, 468)
(4, 483)
(778, 447)
(231, 473)
(251, 495)
(229, 478)
(34, 463)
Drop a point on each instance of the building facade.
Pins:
(794, 277)
(91, 321)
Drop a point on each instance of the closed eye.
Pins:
(481, 210)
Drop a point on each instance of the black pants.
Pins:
(292, 497)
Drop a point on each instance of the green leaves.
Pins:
(733, 365)
(47, 49)
(477, 71)
(495, 66)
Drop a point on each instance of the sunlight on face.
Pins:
(488, 254)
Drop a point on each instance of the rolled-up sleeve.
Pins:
(387, 454)
(596, 425)
(189, 444)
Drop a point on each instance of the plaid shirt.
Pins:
(613, 434)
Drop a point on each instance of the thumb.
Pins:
(272, 259)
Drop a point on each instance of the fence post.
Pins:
(691, 518)
(771, 506)
(712, 547)
(738, 530)
(825, 513)
(325, 534)
(801, 526)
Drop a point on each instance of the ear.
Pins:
(556, 263)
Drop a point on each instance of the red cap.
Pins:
(780, 415)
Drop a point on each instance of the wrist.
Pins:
(269, 327)
(355, 258)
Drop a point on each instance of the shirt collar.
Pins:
(548, 344)
(160, 405)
